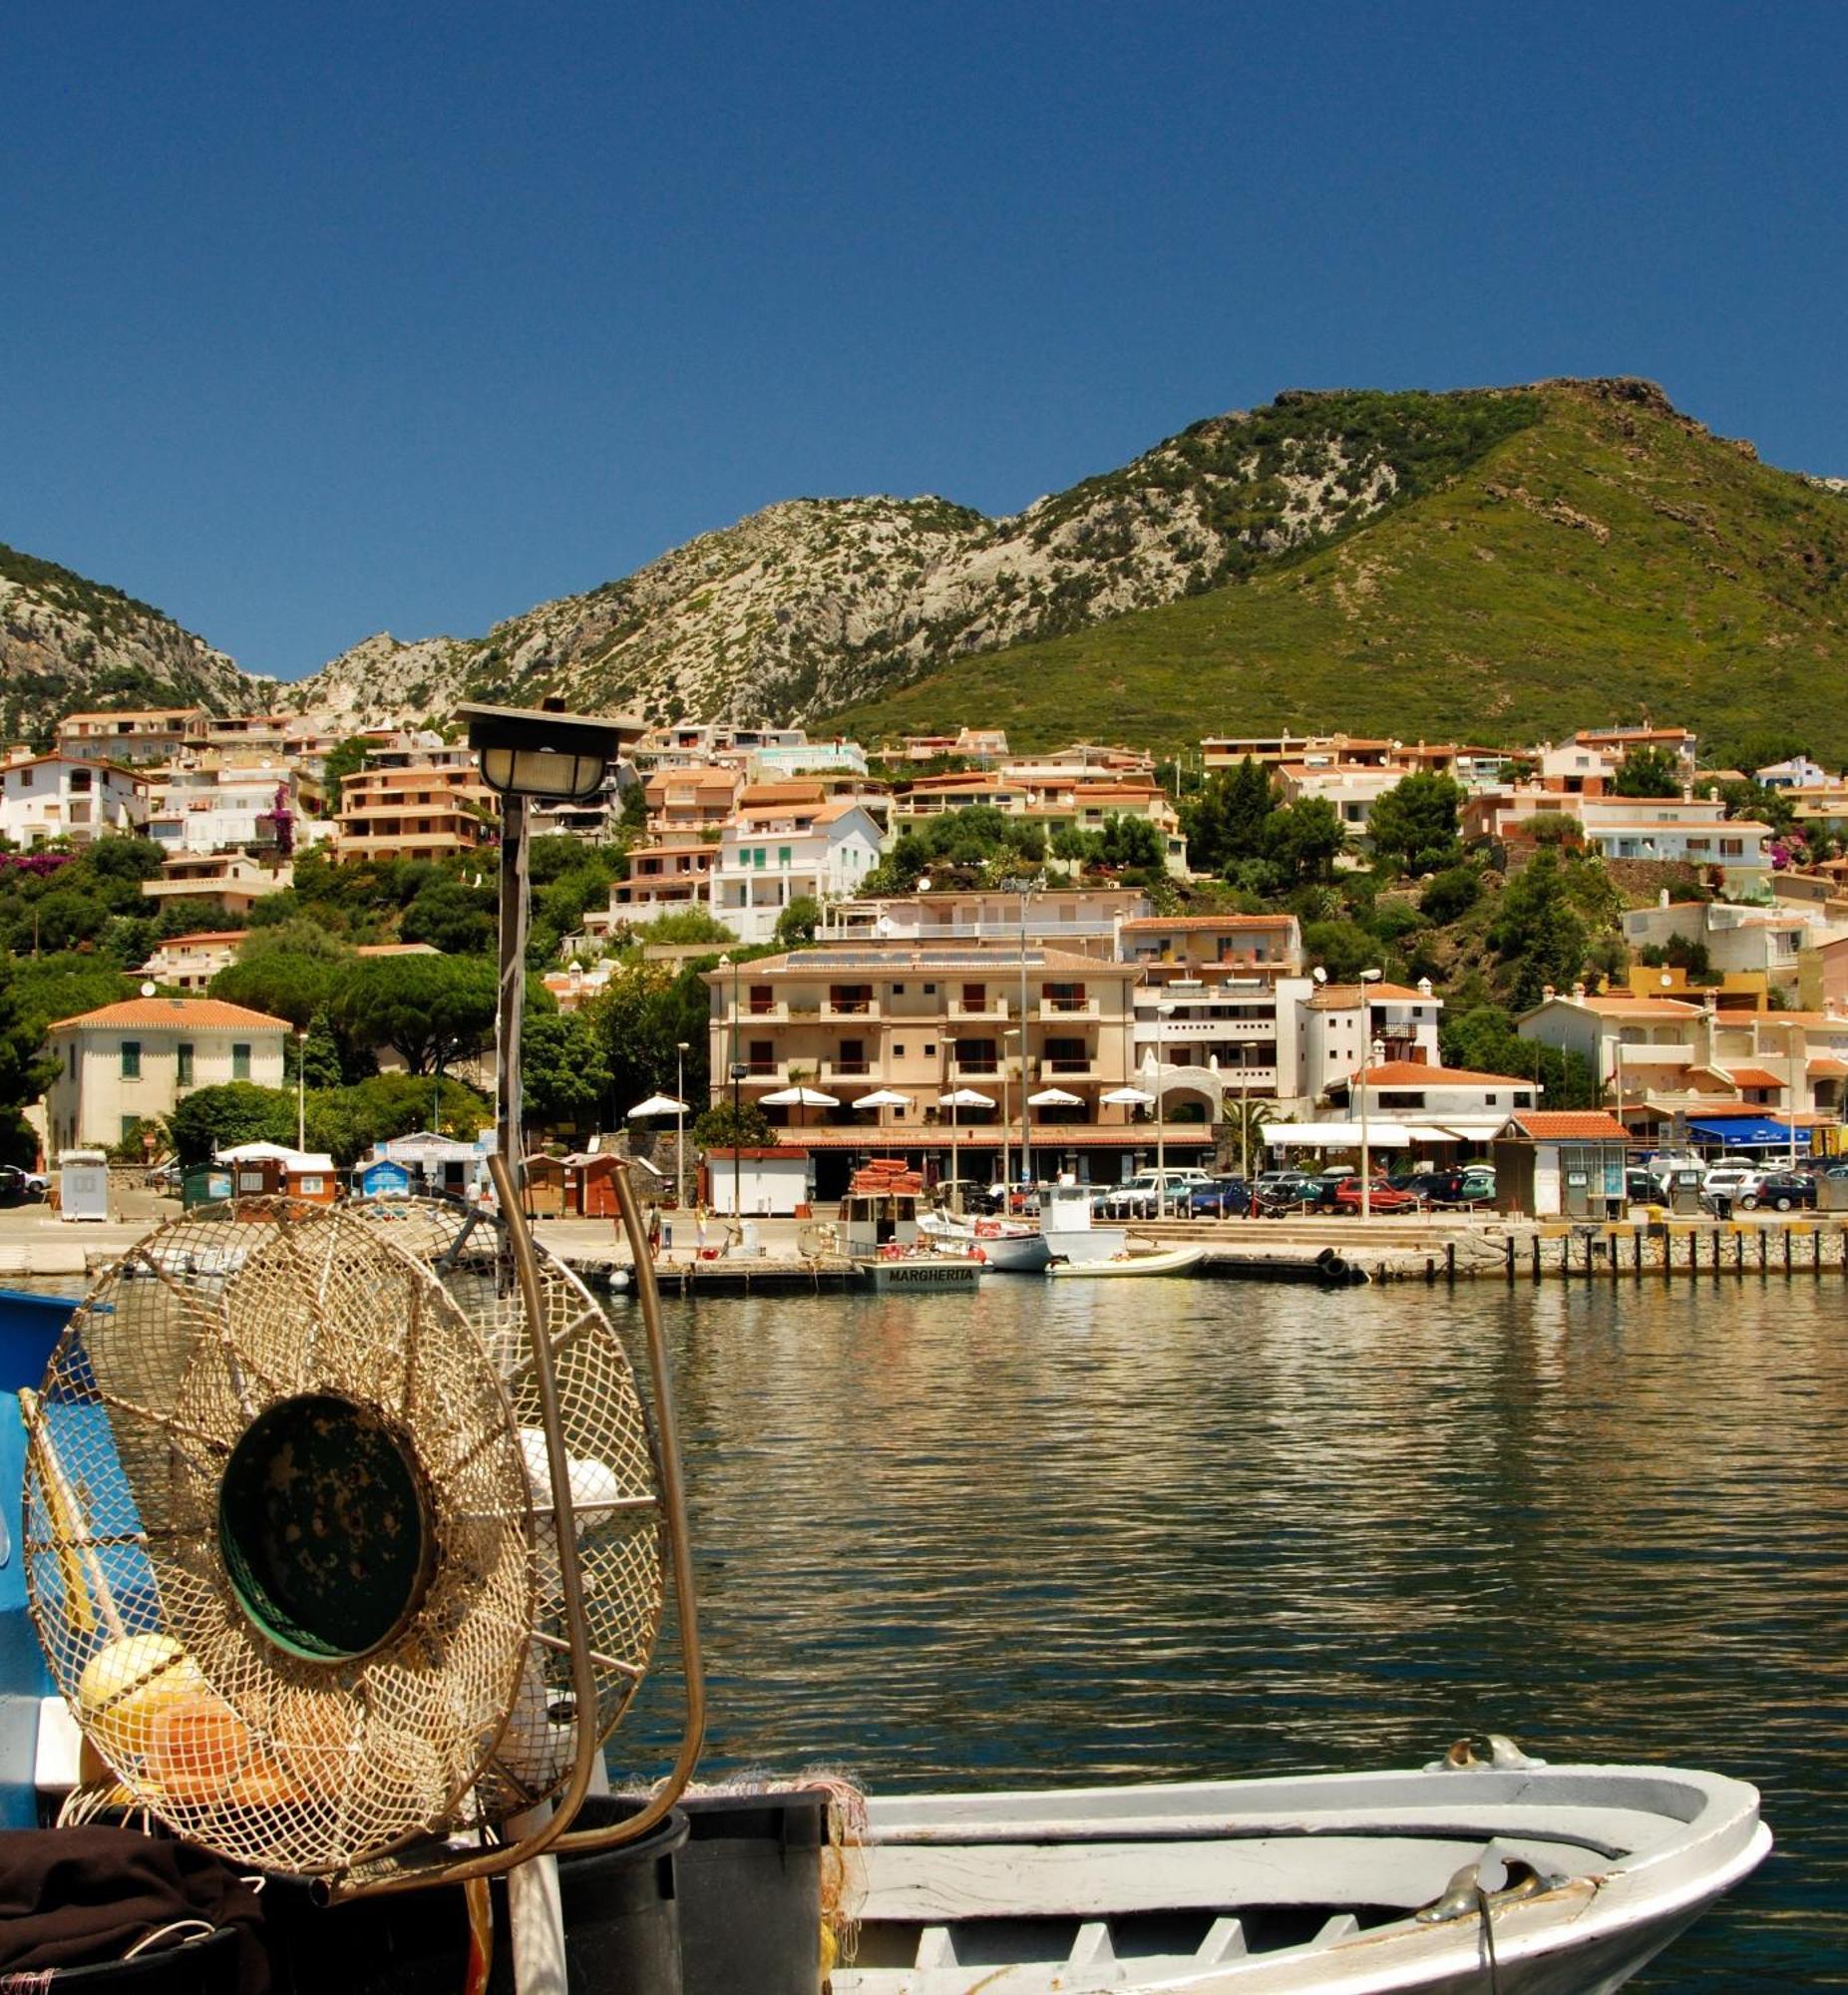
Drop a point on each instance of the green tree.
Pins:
(320, 1052)
(1484, 1038)
(457, 920)
(563, 1074)
(284, 984)
(1305, 838)
(1537, 931)
(1342, 949)
(1224, 822)
(345, 758)
(1450, 895)
(797, 924)
(718, 1129)
(1647, 771)
(430, 1010)
(1413, 826)
(212, 1119)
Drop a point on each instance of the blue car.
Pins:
(1218, 1198)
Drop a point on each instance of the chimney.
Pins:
(1546, 994)
(1577, 993)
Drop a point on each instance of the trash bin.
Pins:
(622, 1927)
(751, 1892)
(747, 1238)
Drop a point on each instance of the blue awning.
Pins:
(1747, 1132)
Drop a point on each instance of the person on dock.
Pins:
(700, 1216)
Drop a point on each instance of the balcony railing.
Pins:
(1067, 1068)
(849, 1008)
(859, 1070)
(985, 1007)
(1069, 1007)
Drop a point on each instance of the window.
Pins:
(930, 990)
(241, 1060)
(929, 1051)
(71, 1059)
(182, 1064)
(129, 1123)
(130, 1060)
(782, 855)
(898, 1053)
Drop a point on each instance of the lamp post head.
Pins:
(538, 751)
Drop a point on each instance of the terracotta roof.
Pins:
(1627, 1008)
(1753, 1077)
(1584, 1125)
(1828, 1067)
(195, 1015)
(206, 934)
(1161, 925)
(1396, 1073)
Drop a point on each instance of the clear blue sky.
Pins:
(331, 319)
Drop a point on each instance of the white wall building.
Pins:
(46, 797)
(781, 853)
(1338, 1023)
(134, 1062)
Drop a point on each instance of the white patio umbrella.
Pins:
(799, 1098)
(1055, 1097)
(883, 1097)
(1129, 1097)
(964, 1097)
(657, 1104)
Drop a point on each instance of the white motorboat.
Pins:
(1065, 1219)
(1516, 1876)
(1159, 1260)
(1004, 1246)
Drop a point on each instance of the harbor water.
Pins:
(1184, 1529)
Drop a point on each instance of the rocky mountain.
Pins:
(1605, 559)
(67, 644)
(816, 603)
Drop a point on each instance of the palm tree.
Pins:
(1242, 1119)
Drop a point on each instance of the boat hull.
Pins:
(938, 1272)
(1306, 1886)
(1168, 1261)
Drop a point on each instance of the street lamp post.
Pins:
(1368, 1043)
(1006, 1174)
(680, 1051)
(530, 753)
(736, 1068)
(1162, 1013)
(1025, 889)
(301, 1089)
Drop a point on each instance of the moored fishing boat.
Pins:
(1157, 1261)
(1004, 1245)
(1505, 1874)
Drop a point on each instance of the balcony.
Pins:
(849, 1008)
(1066, 1069)
(987, 1007)
(859, 1070)
(761, 1014)
(1070, 1008)
(980, 1069)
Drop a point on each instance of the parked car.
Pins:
(1286, 1191)
(1448, 1187)
(1782, 1191)
(18, 1187)
(1141, 1196)
(976, 1198)
(1218, 1198)
(1641, 1188)
(1381, 1197)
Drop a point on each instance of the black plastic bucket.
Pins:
(204, 1966)
(621, 1928)
(751, 1893)
(620, 1909)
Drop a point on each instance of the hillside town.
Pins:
(1000, 967)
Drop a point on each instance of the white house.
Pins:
(779, 853)
(1338, 1023)
(134, 1062)
(210, 807)
(1447, 1100)
(45, 797)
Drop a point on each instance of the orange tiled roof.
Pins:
(1753, 1076)
(1160, 923)
(1397, 1074)
(1582, 1124)
(194, 1014)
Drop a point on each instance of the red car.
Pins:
(1382, 1197)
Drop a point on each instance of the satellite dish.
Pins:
(149, 987)
(1319, 975)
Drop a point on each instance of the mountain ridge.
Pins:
(876, 612)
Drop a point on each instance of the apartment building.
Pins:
(1684, 1065)
(233, 879)
(210, 804)
(414, 800)
(664, 878)
(135, 1061)
(683, 802)
(771, 854)
(1341, 1027)
(150, 734)
(1084, 921)
(47, 797)
(190, 961)
(924, 1022)
(1739, 940)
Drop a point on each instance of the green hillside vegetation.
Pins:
(1607, 559)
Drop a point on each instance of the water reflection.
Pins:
(1192, 1529)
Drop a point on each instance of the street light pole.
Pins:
(301, 1090)
(1024, 888)
(1368, 977)
(681, 1047)
(737, 1109)
(1161, 1012)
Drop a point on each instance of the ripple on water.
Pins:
(1192, 1529)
